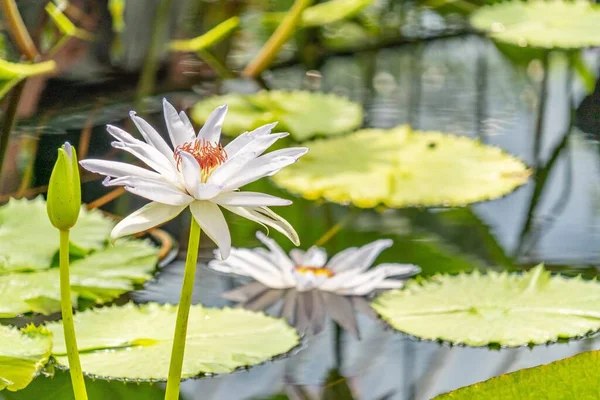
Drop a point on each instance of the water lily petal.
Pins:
(239, 142)
(364, 283)
(258, 168)
(297, 255)
(154, 190)
(178, 131)
(341, 257)
(211, 220)
(190, 170)
(314, 257)
(152, 136)
(152, 158)
(149, 216)
(362, 258)
(186, 121)
(249, 199)
(211, 131)
(121, 135)
(283, 262)
(246, 263)
(117, 169)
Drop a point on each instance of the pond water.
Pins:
(451, 81)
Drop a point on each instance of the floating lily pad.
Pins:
(302, 114)
(100, 277)
(22, 354)
(541, 24)
(13, 73)
(29, 241)
(571, 378)
(496, 308)
(134, 342)
(401, 167)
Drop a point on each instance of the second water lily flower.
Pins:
(199, 173)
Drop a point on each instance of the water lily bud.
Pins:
(64, 190)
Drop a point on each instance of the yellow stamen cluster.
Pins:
(209, 156)
(315, 271)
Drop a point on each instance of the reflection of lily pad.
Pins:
(543, 24)
(401, 167)
(29, 241)
(496, 308)
(134, 342)
(22, 354)
(572, 378)
(100, 277)
(303, 114)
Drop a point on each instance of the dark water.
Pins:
(460, 84)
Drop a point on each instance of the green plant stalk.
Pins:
(10, 117)
(159, 30)
(67, 318)
(183, 312)
(282, 34)
(18, 30)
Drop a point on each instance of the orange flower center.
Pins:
(207, 155)
(315, 270)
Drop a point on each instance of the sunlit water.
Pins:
(460, 85)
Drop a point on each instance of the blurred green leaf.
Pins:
(208, 39)
(495, 308)
(572, 378)
(332, 11)
(22, 354)
(117, 12)
(584, 72)
(13, 73)
(65, 25)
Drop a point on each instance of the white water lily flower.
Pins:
(348, 273)
(197, 172)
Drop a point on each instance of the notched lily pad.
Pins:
(30, 241)
(134, 342)
(23, 352)
(302, 114)
(541, 24)
(401, 167)
(495, 308)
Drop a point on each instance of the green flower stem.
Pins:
(17, 29)
(183, 312)
(67, 318)
(281, 35)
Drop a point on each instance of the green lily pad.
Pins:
(30, 241)
(134, 342)
(401, 167)
(496, 308)
(302, 114)
(22, 354)
(208, 39)
(13, 73)
(541, 24)
(99, 278)
(571, 378)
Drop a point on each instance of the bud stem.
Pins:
(67, 318)
(183, 312)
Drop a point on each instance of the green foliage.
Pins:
(302, 114)
(401, 167)
(22, 354)
(541, 24)
(65, 25)
(208, 39)
(13, 73)
(572, 378)
(134, 342)
(100, 277)
(332, 11)
(30, 241)
(496, 308)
